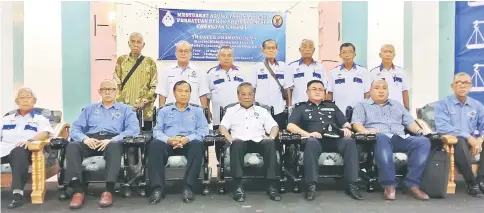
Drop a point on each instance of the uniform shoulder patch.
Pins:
(328, 101)
(301, 103)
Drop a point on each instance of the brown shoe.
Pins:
(389, 193)
(77, 200)
(416, 193)
(106, 199)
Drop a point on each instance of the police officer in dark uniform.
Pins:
(319, 123)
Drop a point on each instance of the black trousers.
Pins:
(266, 147)
(77, 151)
(345, 146)
(19, 159)
(464, 159)
(158, 153)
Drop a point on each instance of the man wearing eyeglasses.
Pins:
(312, 119)
(460, 115)
(99, 130)
(183, 70)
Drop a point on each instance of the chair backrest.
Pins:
(426, 113)
(270, 109)
(349, 113)
(55, 117)
(155, 110)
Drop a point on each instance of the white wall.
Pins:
(7, 102)
(425, 55)
(303, 15)
(43, 52)
(385, 26)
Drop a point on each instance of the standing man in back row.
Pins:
(348, 83)
(183, 70)
(271, 79)
(395, 76)
(304, 70)
(136, 76)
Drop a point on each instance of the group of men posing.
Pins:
(379, 99)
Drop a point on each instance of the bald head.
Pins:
(108, 91)
(108, 83)
(379, 91)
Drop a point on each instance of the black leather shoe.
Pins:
(353, 192)
(239, 194)
(474, 191)
(156, 196)
(187, 196)
(273, 194)
(15, 203)
(481, 186)
(311, 192)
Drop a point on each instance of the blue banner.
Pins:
(469, 44)
(207, 30)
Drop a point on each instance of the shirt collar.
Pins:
(312, 61)
(343, 66)
(241, 107)
(219, 67)
(115, 105)
(188, 108)
(129, 56)
(31, 113)
(456, 101)
(188, 66)
(310, 103)
(381, 66)
(275, 62)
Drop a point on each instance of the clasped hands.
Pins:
(96, 144)
(177, 141)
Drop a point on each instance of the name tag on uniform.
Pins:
(316, 75)
(238, 79)
(219, 81)
(29, 127)
(357, 80)
(263, 76)
(328, 109)
(280, 76)
(397, 79)
(339, 81)
(472, 114)
(299, 75)
(9, 126)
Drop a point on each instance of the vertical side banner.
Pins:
(469, 44)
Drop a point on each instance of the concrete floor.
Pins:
(330, 199)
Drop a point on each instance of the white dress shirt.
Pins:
(223, 88)
(174, 73)
(267, 90)
(396, 79)
(248, 124)
(16, 128)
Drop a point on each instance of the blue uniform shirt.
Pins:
(455, 118)
(119, 119)
(170, 121)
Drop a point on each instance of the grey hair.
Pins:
(183, 42)
(112, 81)
(306, 40)
(245, 84)
(461, 74)
(224, 47)
(387, 45)
(26, 89)
(137, 35)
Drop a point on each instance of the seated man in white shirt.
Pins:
(17, 131)
(249, 126)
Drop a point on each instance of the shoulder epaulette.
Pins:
(328, 101)
(301, 103)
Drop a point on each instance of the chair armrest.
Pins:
(37, 146)
(58, 143)
(365, 138)
(289, 138)
(140, 139)
(449, 139)
(426, 130)
(62, 130)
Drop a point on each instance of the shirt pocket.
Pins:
(190, 122)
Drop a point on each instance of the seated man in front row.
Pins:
(180, 129)
(17, 131)
(99, 130)
(310, 119)
(388, 119)
(248, 126)
(460, 115)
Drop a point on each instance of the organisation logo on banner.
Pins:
(469, 44)
(208, 30)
